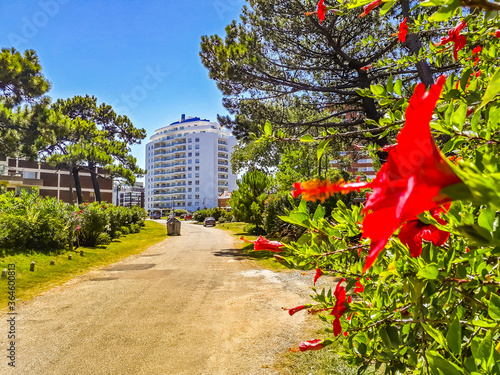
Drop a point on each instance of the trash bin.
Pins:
(173, 226)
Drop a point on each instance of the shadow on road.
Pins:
(245, 253)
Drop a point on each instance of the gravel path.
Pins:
(189, 305)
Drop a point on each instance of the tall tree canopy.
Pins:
(21, 82)
(277, 64)
(103, 141)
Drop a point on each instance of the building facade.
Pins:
(17, 174)
(188, 165)
(130, 196)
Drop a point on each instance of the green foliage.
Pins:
(28, 222)
(437, 313)
(180, 212)
(103, 239)
(247, 202)
(94, 218)
(125, 230)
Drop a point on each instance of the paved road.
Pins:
(189, 305)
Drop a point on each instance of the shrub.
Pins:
(253, 229)
(31, 222)
(200, 215)
(134, 228)
(125, 230)
(94, 221)
(103, 239)
(118, 234)
(222, 219)
(180, 212)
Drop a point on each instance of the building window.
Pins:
(190, 154)
(190, 140)
(197, 161)
(196, 196)
(190, 147)
(197, 139)
(190, 196)
(190, 175)
(189, 203)
(196, 175)
(190, 161)
(197, 154)
(190, 168)
(190, 182)
(197, 147)
(197, 182)
(190, 190)
(197, 168)
(197, 190)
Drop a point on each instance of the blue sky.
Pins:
(140, 56)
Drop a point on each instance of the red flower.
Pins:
(454, 37)
(311, 345)
(476, 51)
(496, 34)
(408, 184)
(262, 243)
(341, 306)
(414, 231)
(403, 30)
(359, 287)
(368, 8)
(365, 68)
(321, 11)
(298, 308)
(318, 275)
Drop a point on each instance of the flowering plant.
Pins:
(417, 265)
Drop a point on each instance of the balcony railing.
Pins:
(222, 156)
(223, 170)
(221, 142)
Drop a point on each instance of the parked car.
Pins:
(209, 221)
(188, 217)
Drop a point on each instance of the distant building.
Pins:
(360, 164)
(224, 200)
(131, 195)
(17, 174)
(188, 165)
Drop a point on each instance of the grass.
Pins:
(264, 258)
(29, 284)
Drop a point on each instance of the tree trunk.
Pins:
(78, 187)
(95, 181)
(413, 44)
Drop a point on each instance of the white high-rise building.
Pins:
(188, 165)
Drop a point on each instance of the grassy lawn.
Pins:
(264, 258)
(29, 284)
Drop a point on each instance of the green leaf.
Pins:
(387, 6)
(390, 85)
(494, 307)
(454, 337)
(492, 90)
(378, 90)
(485, 350)
(465, 78)
(445, 12)
(307, 138)
(319, 213)
(439, 365)
(487, 218)
(322, 147)
(429, 272)
(268, 128)
(398, 85)
(435, 334)
(458, 117)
